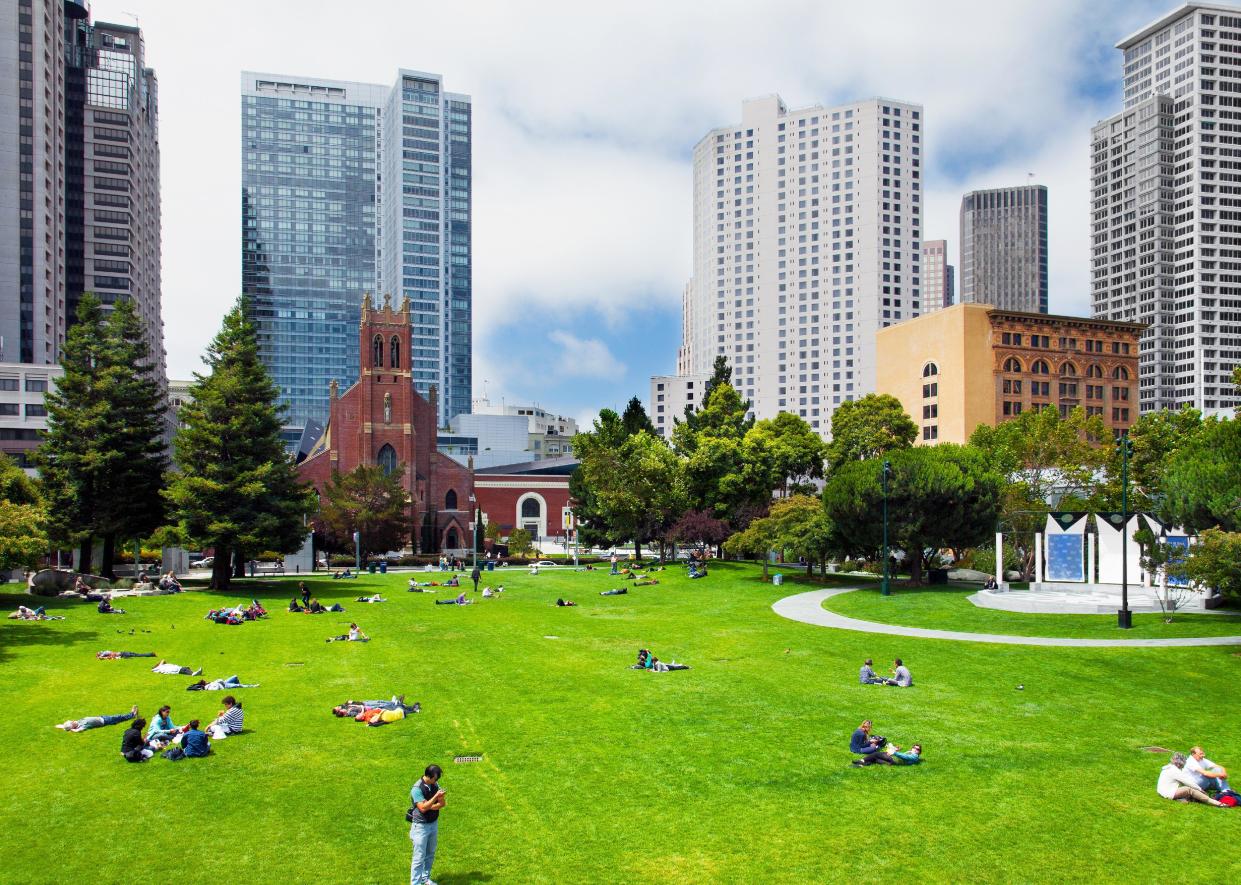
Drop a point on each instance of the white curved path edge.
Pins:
(808, 608)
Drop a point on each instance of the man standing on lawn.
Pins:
(474, 576)
(428, 799)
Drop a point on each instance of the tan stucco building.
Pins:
(973, 364)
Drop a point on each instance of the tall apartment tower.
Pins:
(937, 276)
(32, 178)
(348, 188)
(807, 241)
(1004, 248)
(1165, 246)
(112, 181)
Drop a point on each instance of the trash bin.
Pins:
(937, 576)
(491, 565)
(370, 567)
(777, 579)
(383, 567)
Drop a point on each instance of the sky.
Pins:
(585, 118)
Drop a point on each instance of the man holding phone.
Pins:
(428, 798)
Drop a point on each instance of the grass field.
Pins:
(734, 771)
(949, 609)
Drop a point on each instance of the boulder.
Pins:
(53, 582)
(968, 575)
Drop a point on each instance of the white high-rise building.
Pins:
(1166, 235)
(807, 241)
(671, 395)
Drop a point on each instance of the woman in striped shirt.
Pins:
(230, 721)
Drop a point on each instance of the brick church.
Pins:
(383, 420)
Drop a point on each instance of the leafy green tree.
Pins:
(869, 427)
(635, 418)
(103, 462)
(718, 476)
(520, 543)
(796, 526)
(1202, 481)
(1156, 436)
(636, 486)
(1043, 456)
(783, 452)
(755, 541)
(938, 496)
(721, 373)
(593, 529)
(367, 501)
(23, 520)
(1215, 562)
(236, 490)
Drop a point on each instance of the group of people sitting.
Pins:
(238, 614)
(33, 614)
(176, 742)
(900, 677)
(1195, 778)
(877, 750)
(168, 582)
(355, 634)
(343, 576)
(648, 661)
(454, 564)
(376, 713)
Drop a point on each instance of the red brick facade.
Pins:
(382, 420)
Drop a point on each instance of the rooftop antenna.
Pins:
(137, 24)
(1029, 178)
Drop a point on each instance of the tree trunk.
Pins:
(765, 561)
(85, 551)
(239, 563)
(915, 569)
(221, 568)
(637, 551)
(108, 557)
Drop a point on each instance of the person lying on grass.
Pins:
(355, 634)
(1180, 785)
(133, 746)
(460, 600)
(88, 722)
(191, 745)
(565, 603)
(32, 614)
(174, 670)
(651, 583)
(648, 661)
(105, 608)
(117, 655)
(220, 684)
(615, 591)
(891, 755)
(352, 709)
(230, 720)
(375, 598)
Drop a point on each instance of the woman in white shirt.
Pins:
(1177, 783)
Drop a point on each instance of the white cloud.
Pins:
(585, 116)
(583, 357)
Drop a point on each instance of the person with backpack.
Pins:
(428, 799)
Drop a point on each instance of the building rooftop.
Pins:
(1167, 19)
(548, 466)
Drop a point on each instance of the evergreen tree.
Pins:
(103, 460)
(237, 490)
(635, 418)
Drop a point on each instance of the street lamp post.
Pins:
(887, 471)
(474, 530)
(1124, 617)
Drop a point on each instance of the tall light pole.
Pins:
(1124, 617)
(887, 471)
(474, 530)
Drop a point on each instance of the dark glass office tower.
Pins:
(1004, 248)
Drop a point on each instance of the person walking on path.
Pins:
(474, 576)
(428, 799)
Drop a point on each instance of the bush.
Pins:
(148, 555)
(270, 556)
(982, 559)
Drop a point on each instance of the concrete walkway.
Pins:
(808, 608)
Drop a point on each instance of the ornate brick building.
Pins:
(383, 420)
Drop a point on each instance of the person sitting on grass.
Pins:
(615, 591)
(314, 607)
(459, 600)
(88, 722)
(355, 634)
(651, 583)
(105, 608)
(866, 675)
(230, 720)
(221, 684)
(163, 729)
(565, 603)
(174, 670)
(193, 744)
(133, 746)
(169, 584)
(895, 756)
(1180, 785)
(901, 677)
(1208, 775)
(255, 611)
(862, 743)
(346, 574)
(990, 584)
(375, 598)
(117, 655)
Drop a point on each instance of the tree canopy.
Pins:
(23, 520)
(868, 427)
(368, 501)
(1201, 485)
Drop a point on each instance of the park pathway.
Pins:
(808, 608)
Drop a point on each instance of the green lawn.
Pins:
(734, 771)
(949, 609)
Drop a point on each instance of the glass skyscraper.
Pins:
(349, 188)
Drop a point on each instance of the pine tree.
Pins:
(103, 461)
(237, 490)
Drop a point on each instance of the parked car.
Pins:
(205, 562)
(545, 562)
